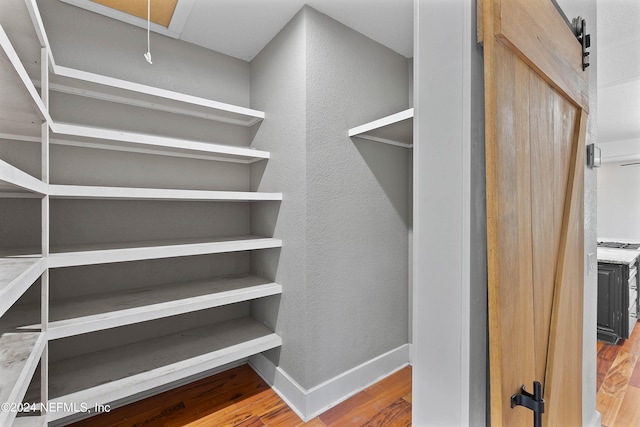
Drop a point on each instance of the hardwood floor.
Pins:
(618, 382)
(239, 397)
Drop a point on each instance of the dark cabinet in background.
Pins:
(613, 300)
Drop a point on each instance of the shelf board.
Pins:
(19, 356)
(108, 139)
(30, 421)
(26, 35)
(138, 251)
(90, 313)
(16, 276)
(78, 82)
(126, 193)
(396, 129)
(13, 180)
(106, 376)
(21, 110)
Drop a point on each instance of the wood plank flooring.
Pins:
(240, 398)
(618, 382)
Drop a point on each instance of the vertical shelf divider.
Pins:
(44, 281)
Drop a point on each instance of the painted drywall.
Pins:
(618, 204)
(357, 202)
(478, 342)
(91, 42)
(345, 214)
(278, 83)
(447, 132)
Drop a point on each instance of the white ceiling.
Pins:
(241, 28)
(619, 79)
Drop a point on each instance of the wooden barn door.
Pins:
(536, 100)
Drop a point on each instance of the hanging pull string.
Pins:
(147, 55)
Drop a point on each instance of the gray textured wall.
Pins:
(344, 217)
(357, 201)
(278, 87)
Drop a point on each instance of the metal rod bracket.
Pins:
(534, 401)
(580, 31)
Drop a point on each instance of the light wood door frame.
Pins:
(535, 289)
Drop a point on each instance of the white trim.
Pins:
(180, 16)
(619, 159)
(595, 421)
(465, 202)
(122, 16)
(310, 403)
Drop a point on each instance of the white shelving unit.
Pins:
(139, 251)
(30, 421)
(108, 139)
(111, 375)
(16, 276)
(78, 82)
(80, 315)
(31, 326)
(396, 129)
(15, 182)
(19, 356)
(127, 193)
(21, 106)
(22, 112)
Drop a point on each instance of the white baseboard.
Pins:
(310, 403)
(596, 420)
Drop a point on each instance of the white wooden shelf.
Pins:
(30, 421)
(80, 315)
(16, 276)
(396, 129)
(77, 82)
(21, 110)
(138, 251)
(19, 356)
(120, 371)
(126, 193)
(108, 139)
(15, 181)
(106, 376)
